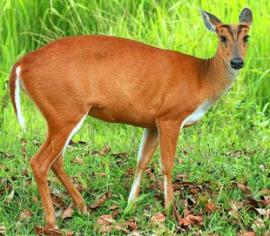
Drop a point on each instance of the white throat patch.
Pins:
(197, 114)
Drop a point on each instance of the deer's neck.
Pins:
(218, 76)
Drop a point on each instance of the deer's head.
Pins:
(233, 38)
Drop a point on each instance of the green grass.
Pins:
(230, 144)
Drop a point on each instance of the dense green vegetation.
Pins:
(230, 145)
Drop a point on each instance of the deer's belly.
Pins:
(136, 118)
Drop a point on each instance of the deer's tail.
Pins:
(14, 86)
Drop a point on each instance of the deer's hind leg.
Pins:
(58, 169)
(58, 137)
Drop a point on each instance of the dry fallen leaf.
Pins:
(265, 202)
(102, 174)
(109, 228)
(113, 207)
(119, 228)
(258, 224)
(180, 161)
(235, 206)
(107, 224)
(263, 212)
(25, 214)
(69, 233)
(39, 230)
(158, 218)
(191, 220)
(130, 172)
(243, 187)
(253, 204)
(6, 154)
(23, 148)
(35, 199)
(176, 213)
(181, 178)
(2, 230)
(210, 207)
(105, 220)
(78, 160)
(265, 197)
(5, 187)
(67, 214)
(265, 192)
(249, 233)
(120, 155)
(186, 209)
(57, 201)
(250, 202)
(58, 213)
(104, 223)
(131, 224)
(25, 173)
(157, 185)
(101, 200)
(192, 188)
(239, 153)
(135, 233)
(105, 150)
(9, 198)
(36, 142)
(79, 185)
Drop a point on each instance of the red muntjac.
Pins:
(123, 81)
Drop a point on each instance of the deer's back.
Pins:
(111, 74)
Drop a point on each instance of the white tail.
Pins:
(18, 99)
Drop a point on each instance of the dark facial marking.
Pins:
(222, 37)
(228, 27)
(242, 27)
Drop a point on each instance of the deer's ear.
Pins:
(210, 20)
(246, 16)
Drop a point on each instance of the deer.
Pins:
(120, 80)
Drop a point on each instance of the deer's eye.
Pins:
(246, 38)
(223, 39)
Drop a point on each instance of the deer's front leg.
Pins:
(147, 148)
(168, 135)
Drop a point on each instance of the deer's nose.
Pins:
(237, 63)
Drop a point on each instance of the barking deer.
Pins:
(123, 81)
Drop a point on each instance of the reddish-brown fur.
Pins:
(119, 80)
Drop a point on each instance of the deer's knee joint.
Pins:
(142, 166)
(166, 171)
(40, 171)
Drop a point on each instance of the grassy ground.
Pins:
(229, 146)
